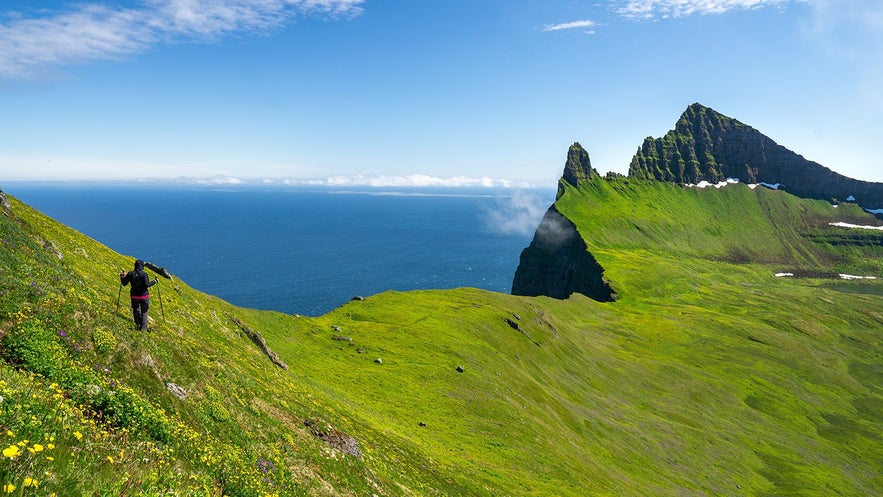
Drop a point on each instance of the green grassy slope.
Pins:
(708, 377)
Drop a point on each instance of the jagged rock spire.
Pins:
(578, 166)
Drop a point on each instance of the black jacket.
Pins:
(139, 280)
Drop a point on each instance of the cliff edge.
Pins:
(557, 262)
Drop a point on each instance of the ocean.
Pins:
(301, 250)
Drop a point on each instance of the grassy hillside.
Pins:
(708, 377)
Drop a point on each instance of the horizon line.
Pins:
(336, 181)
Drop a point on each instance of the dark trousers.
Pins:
(139, 312)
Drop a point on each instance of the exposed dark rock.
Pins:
(358, 298)
(460, 369)
(341, 338)
(158, 270)
(557, 263)
(706, 145)
(258, 340)
(378, 360)
(517, 327)
(324, 431)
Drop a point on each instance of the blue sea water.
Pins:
(305, 250)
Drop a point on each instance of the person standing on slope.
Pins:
(138, 293)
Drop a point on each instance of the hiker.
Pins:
(138, 293)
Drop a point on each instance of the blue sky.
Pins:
(423, 91)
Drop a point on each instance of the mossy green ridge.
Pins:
(709, 376)
(707, 145)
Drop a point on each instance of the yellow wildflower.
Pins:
(50, 446)
(30, 482)
(9, 433)
(9, 488)
(11, 451)
(38, 448)
(110, 458)
(78, 435)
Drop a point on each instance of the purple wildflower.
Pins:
(265, 465)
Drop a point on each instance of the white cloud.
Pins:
(569, 25)
(652, 9)
(32, 47)
(518, 214)
(415, 180)
(218, 180)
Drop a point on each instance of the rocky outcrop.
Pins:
(258, 340)
(706, 145)
(557, 263)
(578, 166)
(324, 431)
(158, 270)
(4, 202)
(177, 391)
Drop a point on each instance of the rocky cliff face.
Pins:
(557, 262)
(706, 145)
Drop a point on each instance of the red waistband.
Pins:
(140, 297)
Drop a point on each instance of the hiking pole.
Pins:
(159, 294)
(118, 297)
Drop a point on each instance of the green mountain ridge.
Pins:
(708, 146)
(708, 375)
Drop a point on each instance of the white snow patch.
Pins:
(773, 186)
(850, 199)
(779, 275)
(847, 225)
(706, 184)
(853, 277)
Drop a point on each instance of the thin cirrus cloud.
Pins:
(637, 10)
(32, 46)
(652, 9)
(569, 25)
